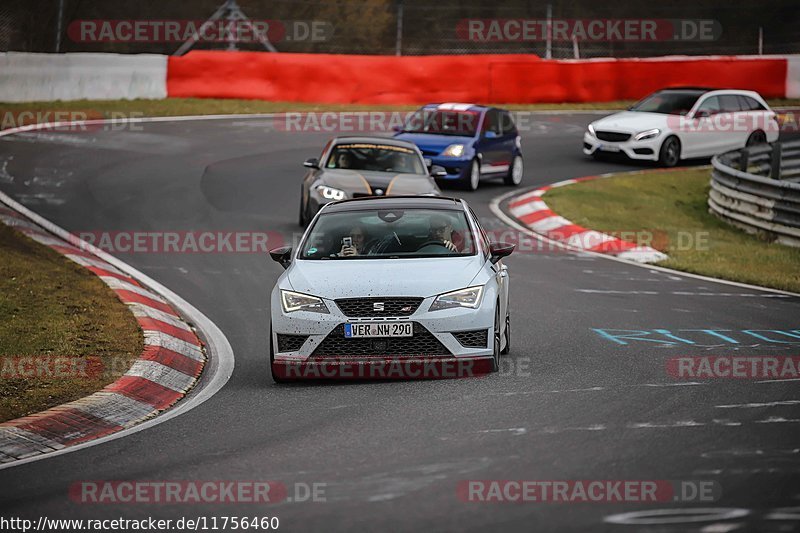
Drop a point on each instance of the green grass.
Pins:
(672, 206)
(51, 307)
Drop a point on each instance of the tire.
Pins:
(514, 176)
(471, 181)
(496, 341)
(275, 377)
(756, 138)
(670, 153)
(507, 335)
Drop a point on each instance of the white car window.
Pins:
(710, 105)
(729, 103)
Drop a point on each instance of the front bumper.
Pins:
(456, 167)
(646, 150)
(300, 357)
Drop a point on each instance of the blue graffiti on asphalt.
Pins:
(699, 336)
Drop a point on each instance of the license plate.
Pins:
(378, 329)
(607, 148)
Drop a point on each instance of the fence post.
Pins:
(744, 159)
(775, 163)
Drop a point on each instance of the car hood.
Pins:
(392, 183)
(632, 122)
(432, 144)
(351, 278)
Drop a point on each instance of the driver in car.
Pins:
(344, 160)
(356, 243)
(441, 229)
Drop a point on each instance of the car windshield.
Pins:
(376, 157)
(668, 102)
(389, 233)
(443, 122)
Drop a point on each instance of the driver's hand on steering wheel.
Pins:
(450, 246)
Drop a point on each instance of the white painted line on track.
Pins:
(756, 405)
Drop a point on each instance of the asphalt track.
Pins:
(570, 404)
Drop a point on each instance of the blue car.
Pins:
(472, 142)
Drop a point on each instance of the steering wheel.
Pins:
(368, 248)
(379, 246)
(432, 243)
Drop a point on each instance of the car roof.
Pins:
(456, 106)
(396, 202)
(374, 140)
(689, 88)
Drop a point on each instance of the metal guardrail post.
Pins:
(775, 162)
(744, 159)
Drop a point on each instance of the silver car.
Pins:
(393, 287)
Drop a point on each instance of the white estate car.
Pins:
(683, 123)
(408, 281)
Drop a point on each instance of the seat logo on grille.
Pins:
(406, 309)
(377, 306)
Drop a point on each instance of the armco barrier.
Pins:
(26, 77)
(758, 189)
(481, 78)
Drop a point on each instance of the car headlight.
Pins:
(591, 130)
(649, 134)
(330, 193)
(295, 301)
(454, 150)
(469, 297)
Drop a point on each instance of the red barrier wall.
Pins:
(329, 78)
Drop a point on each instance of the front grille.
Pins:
(290, 343)
(430, 152)
(362, 195)
(365, 307)
(612, 136)
(423, 343)
(472, 339)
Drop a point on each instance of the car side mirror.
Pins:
(311, 163)
(282, 255)
(702, 113)
(438, 172)
(490, 134)
(499, 250)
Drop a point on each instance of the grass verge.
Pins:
(671, 208)
(63, 333)
(218, 106)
